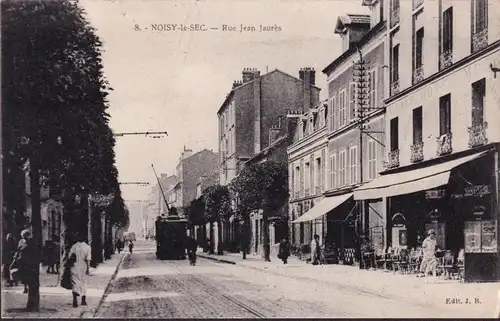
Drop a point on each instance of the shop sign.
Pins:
(479, 190)
(478, 210)
(435, 193)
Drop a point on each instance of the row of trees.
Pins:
(262, 186)
(54, 102)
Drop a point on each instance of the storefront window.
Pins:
(480, 237)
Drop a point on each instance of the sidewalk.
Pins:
(427, 292)
(55, 301)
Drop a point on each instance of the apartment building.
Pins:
(307, 158)
(252, 107)
(443, 130)
(353, 136)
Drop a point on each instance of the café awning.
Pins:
(411, 181)
(323, 207)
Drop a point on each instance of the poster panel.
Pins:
(472, 234)
(488, 237)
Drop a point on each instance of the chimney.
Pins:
(250, 74)
(280, 122)
(308, 76)
(274, 134)
(237, 83)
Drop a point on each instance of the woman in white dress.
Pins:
(80, 269)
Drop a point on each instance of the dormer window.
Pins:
(311, 124)
(322, 117)
(345, 41)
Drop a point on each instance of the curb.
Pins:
(90, 313)
(216, 259)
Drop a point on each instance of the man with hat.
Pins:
(429, 261)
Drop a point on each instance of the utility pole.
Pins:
(365, 106)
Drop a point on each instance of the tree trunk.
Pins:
(265, 234)
(220, 242)
(210, 250)
(96, 243)
(108, 243)
(245, 236)
(36, 223)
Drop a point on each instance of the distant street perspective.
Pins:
(250, 159)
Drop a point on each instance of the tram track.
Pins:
(215, 290)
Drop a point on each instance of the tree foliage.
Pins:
(217, 203)
(196, 212)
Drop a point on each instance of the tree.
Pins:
(218, 209)
(54, 107)
(261, 187)
(196, 213)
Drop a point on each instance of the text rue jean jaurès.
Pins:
(242, 28)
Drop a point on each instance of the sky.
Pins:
(175, 81)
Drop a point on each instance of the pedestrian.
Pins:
(315, 250)
(56, 255)
(429, 261)
(9, 250)
(192, 246)
(130, 246)
(49, 256)
(284, 250)
(26, 264)
(80, 255)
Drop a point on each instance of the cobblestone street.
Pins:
(146, 287)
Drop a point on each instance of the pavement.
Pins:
(467, 299)
(146, 287)
(55, 301)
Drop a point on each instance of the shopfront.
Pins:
(457, 198)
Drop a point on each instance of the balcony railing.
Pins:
(477, 135)
(318, 190)
(446, 59)
(417, 3)
(394, 17)
(444, 145)
(480, 40)
(395, 87)
(306, 192)
(417, 152)
(392, 159)
(418, 74)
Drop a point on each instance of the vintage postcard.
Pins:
(250, 159)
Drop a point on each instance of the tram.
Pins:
(171, 236)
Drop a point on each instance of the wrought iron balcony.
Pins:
(480, 40)
(297, 194)
(417, 3)
(477, 135)
(394, 17)
(306, 192)
(395, 87)
(392, 159)
(418, 74)
(318, 190)
(417, 152)
(446, 59)
(444, 145)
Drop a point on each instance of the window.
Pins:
(331, 123)
(353, 165)
(394, 134)
(333, 170)
(311, 177)
(342, 107)
(373, 87)
(372, 159)
(321, 118)
(297, 179)
(447, 32)
(342, 164)
(419, 48)
(478, 94)
(352, 101)
(479, 15)
(307, 172)
(417, 125)
(318, 173)
(395, 63)
(445, 115)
